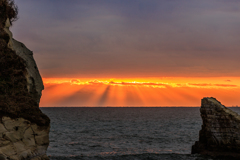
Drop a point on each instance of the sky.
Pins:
(186, 50)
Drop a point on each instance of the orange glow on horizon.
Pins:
(164, 91)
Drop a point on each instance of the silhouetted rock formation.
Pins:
(220, 133)
(34, 80)
(24, 129)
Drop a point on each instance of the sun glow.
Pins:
(166, 91)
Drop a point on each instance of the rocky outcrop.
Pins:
(220, 133)
(34, 80)
(24, 129)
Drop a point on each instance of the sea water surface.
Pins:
(124, 133)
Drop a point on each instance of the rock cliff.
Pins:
(34, 80)
(220, 133)
(24, 129)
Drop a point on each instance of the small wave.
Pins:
(73, 143)
(94, 146)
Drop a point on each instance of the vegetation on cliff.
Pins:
(15, 100)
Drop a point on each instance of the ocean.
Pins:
(124, 133)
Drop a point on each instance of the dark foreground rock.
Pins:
(220, 133)
(24, 129)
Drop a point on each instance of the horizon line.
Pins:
(129, 106)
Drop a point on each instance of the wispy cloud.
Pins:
(137, 83)
(212, 85)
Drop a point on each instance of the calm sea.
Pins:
(106, 133)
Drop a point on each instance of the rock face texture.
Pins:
(220, 133)
(22, 139)
(24, 129)
(34, 80)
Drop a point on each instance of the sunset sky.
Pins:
(133, 52)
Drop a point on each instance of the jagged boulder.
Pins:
(24, 129)
(220, 133)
